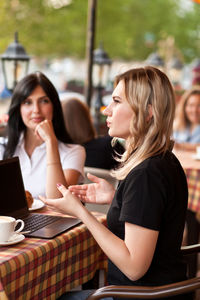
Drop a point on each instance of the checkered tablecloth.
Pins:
(44, 269)
(191, 167)
(193, 180)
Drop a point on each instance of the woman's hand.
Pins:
(68, 204)
(100, 192)
(45, 131)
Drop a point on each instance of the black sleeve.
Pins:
(144, 198)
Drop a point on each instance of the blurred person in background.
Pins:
(187, 137)
(99, 150)
(36, 133)
(187, 120)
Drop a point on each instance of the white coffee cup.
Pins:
(7, 228)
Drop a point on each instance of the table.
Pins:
(45, 269)
(191, 167)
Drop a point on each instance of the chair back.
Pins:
(153, 292)
(102, 173)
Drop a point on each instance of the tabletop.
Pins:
(191, 166)
(45, 269)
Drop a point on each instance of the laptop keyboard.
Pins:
(36, 221)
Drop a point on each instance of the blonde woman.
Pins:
(147, 213)
(187, 120)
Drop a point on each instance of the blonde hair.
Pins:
(145, 87)
(78, 121)
(181, 121)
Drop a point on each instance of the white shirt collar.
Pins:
(22, 140)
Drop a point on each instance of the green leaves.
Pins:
(124, 26)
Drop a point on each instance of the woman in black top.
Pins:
(147, 214)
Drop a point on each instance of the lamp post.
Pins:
(15, 63)
(101, 69)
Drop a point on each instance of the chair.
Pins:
(156, 292)
(102, 173)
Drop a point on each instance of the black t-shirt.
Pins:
(100, 153)
(154, 195)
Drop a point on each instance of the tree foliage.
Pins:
(129, 29)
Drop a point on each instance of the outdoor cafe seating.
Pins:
(156, 292)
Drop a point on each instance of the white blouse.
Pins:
(34, 168)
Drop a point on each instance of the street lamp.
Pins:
(101, 69)
(15, 63)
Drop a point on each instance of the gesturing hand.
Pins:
(101, 191)
(68, 204)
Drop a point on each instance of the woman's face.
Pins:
(36, 108)
(119, 113)
(192, 109)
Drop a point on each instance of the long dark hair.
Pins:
(15, 124)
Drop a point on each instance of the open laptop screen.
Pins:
(12, 195)
(13, 203)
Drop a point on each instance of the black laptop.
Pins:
(13, 203)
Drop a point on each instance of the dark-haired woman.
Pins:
(37, 134)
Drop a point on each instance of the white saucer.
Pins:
(16, 238)
(37, 204)
(196, 157)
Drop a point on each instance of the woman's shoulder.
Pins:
(155, 170)
(70, 147)
(104, 139)
(197, 130)
(156, 164)
(181, 133)
(99, 142)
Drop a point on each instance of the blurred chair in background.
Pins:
(102, 173)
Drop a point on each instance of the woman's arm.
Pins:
(133, 256)
(55, 172)
(186, 146)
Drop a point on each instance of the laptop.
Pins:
(13, 203)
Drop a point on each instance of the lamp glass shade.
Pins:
(101, 67)
(100, 75)
(14, 71)
(15, 63)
